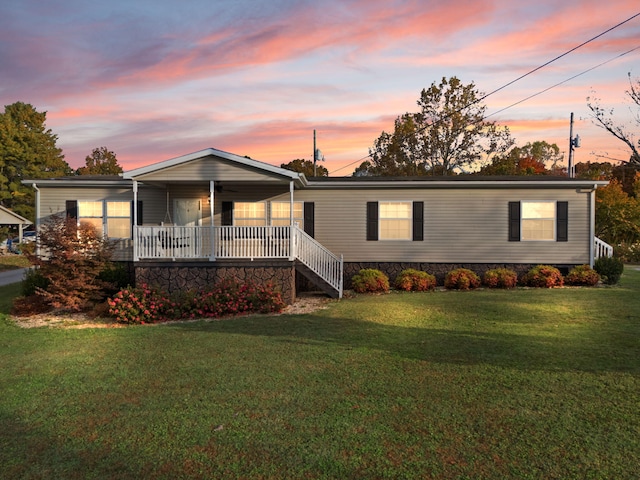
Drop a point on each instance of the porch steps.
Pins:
(317, 280)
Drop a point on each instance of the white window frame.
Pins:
(91, 218)
(117, 217)
(524, 219)
(408, 219)
(284, 221)
(237, 218)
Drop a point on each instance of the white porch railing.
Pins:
(601, 249)
(320, 260)
(174, 243)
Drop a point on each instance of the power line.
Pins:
(520, 78)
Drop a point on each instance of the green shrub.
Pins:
(582, 275)
(415, 280)
(461, 279)
(543, 276)
(115, 276)
(500, 278)
(33, 280)
(370, 280)
(610, 269)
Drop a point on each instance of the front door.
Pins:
(187, 212)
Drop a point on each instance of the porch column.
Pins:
(292, 253)
(136, 254)
(212, 243)
(592, 224)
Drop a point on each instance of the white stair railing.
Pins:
(601, 249)
(318, 259)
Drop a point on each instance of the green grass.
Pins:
(539, 384)
(11, 261)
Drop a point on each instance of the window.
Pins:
(118, 219)
(249, 214)
(395, 220)
(91, 213)
(538, 220)
(280, 213)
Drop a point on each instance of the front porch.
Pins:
(223, 243)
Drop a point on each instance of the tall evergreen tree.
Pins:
(27, 150)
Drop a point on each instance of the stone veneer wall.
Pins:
(440, 270)
(182, 276)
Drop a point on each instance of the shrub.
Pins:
(370, 280)
(415, 280)
(544, 276)
(73, 256)
(610, 269)
(500, 278)
(628, 252)
(461, 279)
(148, 305)
(33, 280)
(582, 275)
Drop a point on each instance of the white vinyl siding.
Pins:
(395, 220)
(538, 221)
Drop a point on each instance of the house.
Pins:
(189, 221)
(10, 218)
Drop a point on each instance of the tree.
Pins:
(448, 134)
(617, 214)
(27, 150)
(530, 159)
(604, 118)
(74, 256)
(100, 162)
(306, 167)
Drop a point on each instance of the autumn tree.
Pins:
(306, 167)
(617, 214)
(537, 158)
(101, 162)
(27, 150)
(604, 118)
(449, 134)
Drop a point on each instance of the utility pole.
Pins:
(315, 153)
(574, 142)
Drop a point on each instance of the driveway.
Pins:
(12, 276)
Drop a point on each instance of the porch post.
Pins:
(592, 225)
(212, 232)
(291, 229)
(136, 256)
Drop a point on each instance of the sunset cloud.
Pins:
(153, 81)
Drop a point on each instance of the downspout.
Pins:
(35, 187)
(592, 224)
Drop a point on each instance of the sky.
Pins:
(156, 79)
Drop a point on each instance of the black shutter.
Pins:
(309, 218)
(418, 221)
(72, 208)
(562, 221)
(514, 221)
(372, 221)
(227, 214)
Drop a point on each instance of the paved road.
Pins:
(12, 276)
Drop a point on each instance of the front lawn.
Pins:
(539, 384)
(11, 261)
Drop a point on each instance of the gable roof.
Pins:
(7, 217)
(212, 155)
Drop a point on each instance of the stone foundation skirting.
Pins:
(183, 276)
(440, 270)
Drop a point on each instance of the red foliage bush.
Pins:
(500, 278)
(461, 279)
(543, 276)
(415, 280)
(582, 275)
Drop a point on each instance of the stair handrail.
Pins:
(318, 259)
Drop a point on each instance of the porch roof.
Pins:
(7, 217)
(212, 164)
